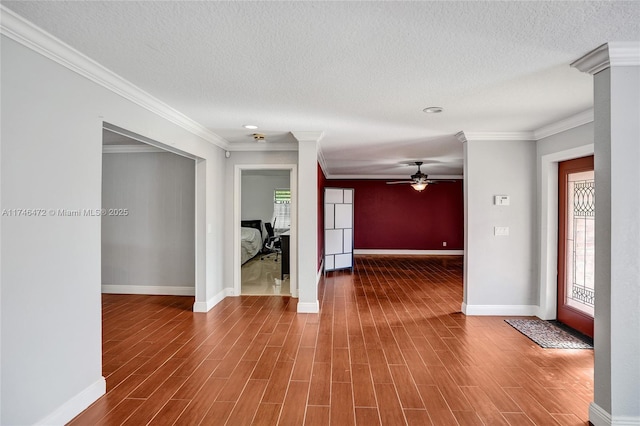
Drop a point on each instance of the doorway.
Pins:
(243, 212)
(159, 253)
(576, 244)
(265, 200)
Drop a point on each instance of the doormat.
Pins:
(548, 335)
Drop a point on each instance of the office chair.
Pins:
(272, 244)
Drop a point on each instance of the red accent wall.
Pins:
(399, 217)
(321, 184)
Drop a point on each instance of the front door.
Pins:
(576, 244)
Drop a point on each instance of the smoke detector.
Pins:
(259, 137)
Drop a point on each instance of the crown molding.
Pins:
(29, 35)
(322, 161)
(615, 53)
(131, 149)
(594, 61)
(261, 146)
(311, 136)
(461, 137)
(568, 123)
(387, 177)
(624, 53)
(495, 136)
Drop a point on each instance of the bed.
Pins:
(250, 238)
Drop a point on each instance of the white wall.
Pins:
(52, 158)
(151, 248)
(499, 275)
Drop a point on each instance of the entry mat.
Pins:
(550, 334)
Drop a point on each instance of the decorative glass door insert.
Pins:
(576, 254)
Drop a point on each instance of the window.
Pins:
(282, 209)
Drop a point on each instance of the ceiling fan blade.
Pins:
(399, 181)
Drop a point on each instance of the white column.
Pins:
(616, 71)
(308, 220)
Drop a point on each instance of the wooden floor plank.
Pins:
(388, 347)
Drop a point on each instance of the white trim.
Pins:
(29, 35)
(617, 54)
(293, 239)
(131, 149)
(624, 54)
(548, 227)
(568, 123)
(204, 307)
(155, 290)
(409, 252)
(323, 162)
(76, 405)
(259, 146)
(598, 416)
(499, 310)
(309, 308)
(594, 61)
(495, 136)
(304, 135)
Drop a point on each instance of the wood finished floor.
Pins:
(389, 346)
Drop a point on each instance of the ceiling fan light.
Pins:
(419, 186)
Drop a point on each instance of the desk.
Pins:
(284, 248)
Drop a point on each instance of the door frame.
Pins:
(237, 213)
(548, 227)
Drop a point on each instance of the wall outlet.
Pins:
(444, 244)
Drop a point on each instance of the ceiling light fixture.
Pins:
(250, 126)
(433, 110)
(419, 186)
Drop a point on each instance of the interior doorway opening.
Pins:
(265, 198)
(265, 204)
(152, 208)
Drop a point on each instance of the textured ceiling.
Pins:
(360, 71)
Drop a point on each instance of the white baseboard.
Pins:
(76, 405)
(598, 416)
(308, 308)
(500, 310)
(155, 290)
(410, 252)
(209, 304)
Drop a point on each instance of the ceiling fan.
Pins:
(419, 180)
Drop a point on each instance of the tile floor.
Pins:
(389, 347)
(263, 277)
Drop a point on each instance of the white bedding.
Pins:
(251, 244)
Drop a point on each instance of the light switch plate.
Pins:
(501, 200)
